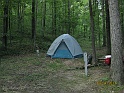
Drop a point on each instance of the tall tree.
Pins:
(121, 4)
(20, 14)
(108, 27)
(103, 22)
(69, 15)
(33, 21)
(9, 21)
(43, 16)
(5, 23)
(117, 66)
(54, 17)
(65, 15)
(98, 23)
(92, 29)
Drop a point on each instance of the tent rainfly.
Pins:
(65, 46)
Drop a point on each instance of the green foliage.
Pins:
(19, 33)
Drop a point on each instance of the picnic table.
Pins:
(101, 59)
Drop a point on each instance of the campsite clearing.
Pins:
(32, 74)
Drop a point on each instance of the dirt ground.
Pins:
(32, 74)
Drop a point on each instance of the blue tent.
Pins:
(65, 46)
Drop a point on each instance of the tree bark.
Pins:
(103, 26)
(122, 26)
(43, 17)
(54, 17)
(33, 20)
(19, 16)
(65, 16)
(117, 66)
(84, 34)
(5, 25)
(121, 4)
(9, 26)
(108, 28)
(69, 15)
(98, 24)
(93, 35)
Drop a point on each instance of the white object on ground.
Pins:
(38, 52)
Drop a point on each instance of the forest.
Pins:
(39, 22)
(28, 25)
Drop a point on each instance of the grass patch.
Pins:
(55, 64)
(34, 77)
(29, 73)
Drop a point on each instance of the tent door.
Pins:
(62, 51)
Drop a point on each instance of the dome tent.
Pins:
(65, 46)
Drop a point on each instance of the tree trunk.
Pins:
(5, 25)
(65, 16)
(117, 66)
(19, 16)
(108, 28)
(99, 33)
(121, 3)
(73, 14)
(9, 26)
(98, 24)
(84, 34)
(20, 24)
(122, 27)
(92, 29)
(69, 12)
(20, 21)
(103, 26)
(54, 17)
(43, 17)
(33, 21)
